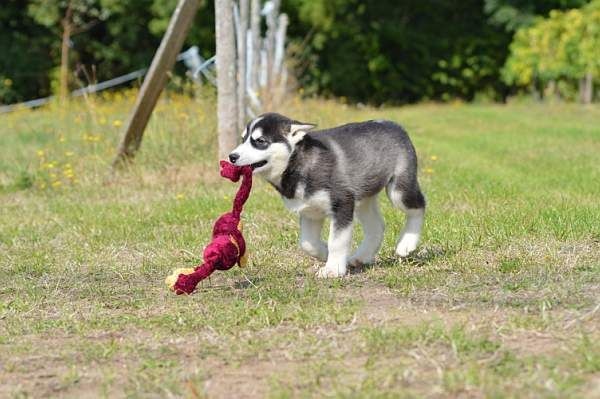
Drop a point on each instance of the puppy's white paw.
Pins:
(329, 271)
(405, 247)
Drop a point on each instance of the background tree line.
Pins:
(383, 51)
(554, 53)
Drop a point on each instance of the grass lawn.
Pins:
(501, 300)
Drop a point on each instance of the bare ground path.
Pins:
(392, 343)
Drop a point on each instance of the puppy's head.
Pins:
(267, 143)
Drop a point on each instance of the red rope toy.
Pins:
(228, 246)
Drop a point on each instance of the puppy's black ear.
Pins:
(297, 127)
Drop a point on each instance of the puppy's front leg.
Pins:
(310, 237)
(340, 238)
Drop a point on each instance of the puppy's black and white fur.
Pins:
(337, 173)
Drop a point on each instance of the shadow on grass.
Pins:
(421, 258)
(245, 283)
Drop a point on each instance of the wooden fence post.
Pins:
(155, 80)
(227, 113)
(255, 50)
(241, 62)
(279, 71)
(271, 18)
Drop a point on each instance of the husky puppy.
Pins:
(337, 173)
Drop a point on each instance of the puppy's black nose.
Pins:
(233, 157)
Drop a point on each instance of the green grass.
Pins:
(501, 299)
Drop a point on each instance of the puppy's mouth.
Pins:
(257, 165)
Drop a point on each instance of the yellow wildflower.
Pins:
(40, 153)
(57, 183)
(429, 171)
(434, 157)
(117, 123)
(180, 196)
(69, 153)
(92, 138)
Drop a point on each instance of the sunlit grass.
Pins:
(499, 301)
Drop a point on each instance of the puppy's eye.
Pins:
(260, 140)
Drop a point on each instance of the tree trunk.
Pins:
(67, 26)
(588, 89)
(241, 72)
(227, 112)
(551, 90)
(581, 90)
(538, 90)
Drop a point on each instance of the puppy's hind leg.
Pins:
(409, 239)
(310, 237)
(408, 197)
(373, 225)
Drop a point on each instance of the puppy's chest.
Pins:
(317, 204)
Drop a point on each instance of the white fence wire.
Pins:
(191, 58)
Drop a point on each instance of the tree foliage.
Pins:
(382, 51)
(26, 61)
(564, 46)
(515, 14)
(119, 36)
(69, 17)
(390, 51)
(50, 12)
